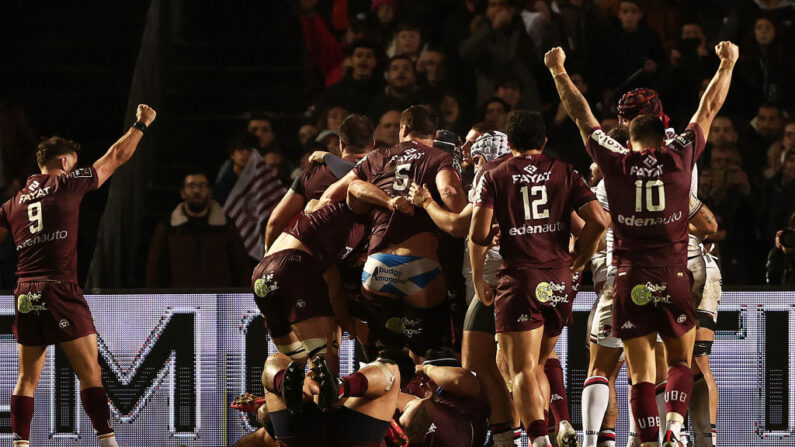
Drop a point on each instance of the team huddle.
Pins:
(361, 243)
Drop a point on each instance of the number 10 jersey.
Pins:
(42, 218)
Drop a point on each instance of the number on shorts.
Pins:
(533, 210)
(35, 217)
(651, 185)
(402, 174)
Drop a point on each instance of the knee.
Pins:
(28, 379)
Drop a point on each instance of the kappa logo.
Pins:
(530, 169)
(682, 318)
(64, 323)
(555, 397)
(300, 304)
(650, 161)
(431, 429)
(265, 285)
(628, 325)
(523, 318)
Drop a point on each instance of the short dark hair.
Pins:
(769, 105)
(510, 81)
(399, 57)
(243, 140)
(483, 127)
(407, 26)
(421, 121)
(260, 116)
(620, 133)
(525, 130)
(363, 43)
(356, 132)
(190, 172)
(54, 146)
(647, 128)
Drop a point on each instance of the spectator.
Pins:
(779, 198)
(322, 47)
(766, 129)
(584, 27)
(543, 26)
(408, 42)
(278, 168)
(261, 125)
(329, 141)
(495, 113)
(306, 134)
(763, 70)
(239, 151)
(401, 90)
(432, 64)
(781, 258)
(722, 131)
(384, 19)
(634, 45)
(331, 118)
(388, 129)
(450, 116)
(358, 86)
(510, 90)
(197, 246)
(500, 46)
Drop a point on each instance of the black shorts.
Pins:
(479, 317)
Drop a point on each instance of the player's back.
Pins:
(649, 196)
(331, 232)
(393, 170)
(533, 197)
(313, 181)
(43, 219)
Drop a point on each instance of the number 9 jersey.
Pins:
(533, 197)
(393, 170)
(42, 218)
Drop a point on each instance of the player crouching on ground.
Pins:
(42, 218)
(532, 197)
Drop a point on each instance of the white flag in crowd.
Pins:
(251, 201)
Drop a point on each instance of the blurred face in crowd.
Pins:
(385, 13)
(789, 166)
(723, 159)
(273, 162)
(496, 115)
(764, 31)
(450, 110)
(196, 192)
(493, 7)
(789, 137)
(768, 122)
(400, 75)
(509, 92)
(335, 117)
(693, 31)
(432, 63)
(629, 14)
(239, 158)
(363, 62)
(306, 133)
(408, 42)
(722, 131)
(388, 128)
(263, 130)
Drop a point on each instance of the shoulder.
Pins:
(599, 138)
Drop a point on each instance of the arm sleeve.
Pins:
(298, 184)
(364, 169)
(698, 141)
(338, 166)
(604, 150)
(695, 205)
(484, 196)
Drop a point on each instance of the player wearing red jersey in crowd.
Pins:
(648, 189)
(50, 309)
(402, 275)
(356, 140)
(532, 197)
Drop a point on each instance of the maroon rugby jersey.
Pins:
(331, 233)
(649, 196)
(42, 218)
(459, 422)
(533, 197)
(315, 179)
(393, 170)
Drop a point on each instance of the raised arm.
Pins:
(123, 149)
(570, 96)
(718, 87)
(337, 191)
(456, 224)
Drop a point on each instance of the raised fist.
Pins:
(555, 57)
(727, 50)
(145, 114)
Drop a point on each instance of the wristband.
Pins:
(426, 202)
(425, 368)
(727, 63)
(557, 70)
(140, 126)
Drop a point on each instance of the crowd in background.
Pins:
(476, 60)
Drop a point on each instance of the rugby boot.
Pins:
(326, 382)
(293, 387)
(670, 440)
(567, 436)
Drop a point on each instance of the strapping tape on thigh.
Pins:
(702, 348)
(294, 350)
(315, 346)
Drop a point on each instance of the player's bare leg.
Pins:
(479, 355)
(641, 361)
(522, 350)
(259, 437)
(566, 436)
(607, 433)
(704, 400)
(319, 337)
(678, 353)
(83, 354)
(596, 393)
(661, 380)
(31, 363)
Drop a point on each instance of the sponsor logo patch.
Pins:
(265, 285)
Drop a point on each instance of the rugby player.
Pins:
(50, 309)
(356, 140)
(532, 197)
(402, 274)
(648, 190)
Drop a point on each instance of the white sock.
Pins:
(607, 442)
(632, 436)
(674, 426)
(595, 398)
(108, 440)
(683, 438)
(541, 441)
(21, 443)
(504, 439)
(714, 436)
